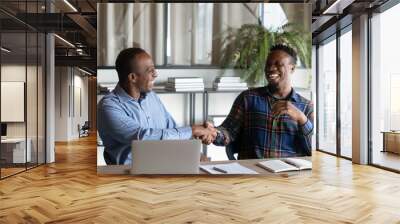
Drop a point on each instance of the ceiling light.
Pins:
(64, 40)
(5, 50)
(70, 5)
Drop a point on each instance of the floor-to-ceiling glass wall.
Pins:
(346, 92)
(385, 89)
(22, 87)
(327, 95)
(15, 151)
(334, 102)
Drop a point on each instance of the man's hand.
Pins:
(205, 132)
(286, 107)
(208, 139)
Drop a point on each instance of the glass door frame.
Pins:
(30, 29)
(338, 33)
(387, 5)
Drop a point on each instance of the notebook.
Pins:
(228, 168)
(283, 165)
(302, 164)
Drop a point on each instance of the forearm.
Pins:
(162, 134)
(306, 131)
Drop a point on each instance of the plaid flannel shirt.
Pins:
(259, 134)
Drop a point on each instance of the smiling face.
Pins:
(145, 73)
(278, 69)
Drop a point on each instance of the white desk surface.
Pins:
(251, 163)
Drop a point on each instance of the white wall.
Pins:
(33, 125)
(70, 83)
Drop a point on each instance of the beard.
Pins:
(273, 87)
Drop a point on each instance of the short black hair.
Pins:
(125, 63)
(287, 49)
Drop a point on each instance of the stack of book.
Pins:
(229, 83)
(185, 84)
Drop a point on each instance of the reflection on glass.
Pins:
(385, 86)
(346, 94)
(22, 89)
(327, 97)
(14, 153)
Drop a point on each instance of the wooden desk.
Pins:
(71, 191)
(251, 163)
(13, 150)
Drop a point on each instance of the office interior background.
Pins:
(49, 75)
(46, 80)
(31, 56)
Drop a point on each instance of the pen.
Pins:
(219, 169)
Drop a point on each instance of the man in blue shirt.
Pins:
(132, 111)
(271, 121)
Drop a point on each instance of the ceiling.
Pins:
(74, 21)
(329, 15)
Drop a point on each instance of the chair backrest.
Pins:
(86, 125)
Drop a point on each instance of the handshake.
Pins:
(206, 132)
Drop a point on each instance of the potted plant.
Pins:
(247, 48)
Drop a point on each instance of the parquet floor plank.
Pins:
(70, 191)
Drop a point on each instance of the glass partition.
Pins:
(346, 94)
(14, 153)
(327, 96)
(385, 89)
(22, 88)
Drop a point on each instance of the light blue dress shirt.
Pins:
(122, 119)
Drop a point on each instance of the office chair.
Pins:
(84, 130)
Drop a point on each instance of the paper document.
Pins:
(233, 168)
(210, 169)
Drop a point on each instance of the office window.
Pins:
(385, 89)
(274, 16)
(189, 33)
(327, 96)
(346, 94)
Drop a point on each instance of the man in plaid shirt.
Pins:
(270, 121)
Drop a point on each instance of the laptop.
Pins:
(166, 157)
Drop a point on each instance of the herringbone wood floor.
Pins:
(70, 191)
